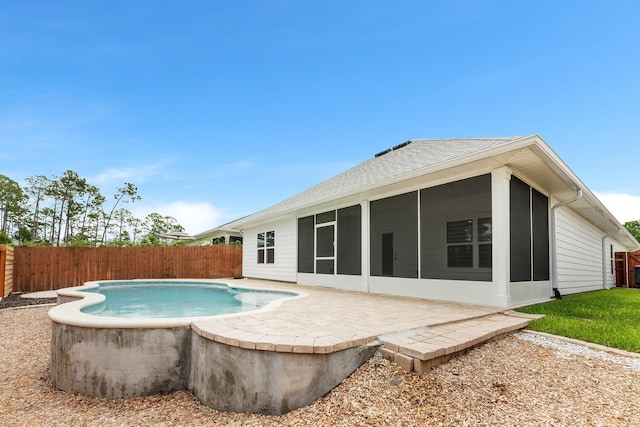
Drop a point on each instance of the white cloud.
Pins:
(194, 217)
(130, 174)
(625, 207)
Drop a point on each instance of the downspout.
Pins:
(554, 251)
(604, 263)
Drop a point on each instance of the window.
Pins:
(611, 258)
(218, 241)
(485, 234)
(459, 243)
(266, 247)
(466, 238)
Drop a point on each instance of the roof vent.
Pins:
(399, 146)
(382, 153)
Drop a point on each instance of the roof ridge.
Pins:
(479, 138)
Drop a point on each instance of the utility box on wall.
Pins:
(6, 270)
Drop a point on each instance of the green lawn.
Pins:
(610, 318)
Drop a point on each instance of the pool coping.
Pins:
(251, 330)
(302, 346)
(72, 300)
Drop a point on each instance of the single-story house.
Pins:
(495, 221)
(222, 235)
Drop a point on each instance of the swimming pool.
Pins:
(176, 299)
(226, 366)
(117, 339)
(90, 305)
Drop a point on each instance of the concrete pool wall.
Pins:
(114, 358)
(236, 379)
(119, 362)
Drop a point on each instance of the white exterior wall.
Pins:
(525, 293)
(285, 265)
(338, 281)
(462, 291)
(579, 253)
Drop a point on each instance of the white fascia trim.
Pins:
(564, 170)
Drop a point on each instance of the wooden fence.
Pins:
(51, 268)
(6, 270)
(625, 268)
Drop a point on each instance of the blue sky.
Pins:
(218, 109)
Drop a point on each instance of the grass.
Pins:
(607, 317)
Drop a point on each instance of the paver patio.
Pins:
(415, 333)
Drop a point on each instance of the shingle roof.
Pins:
(405, 158)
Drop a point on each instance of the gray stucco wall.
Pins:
(114, 363)
(235, 379)
(120, 362)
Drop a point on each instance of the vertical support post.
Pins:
(366, 246)
(3, 266)
(501, 246)
(626, 269)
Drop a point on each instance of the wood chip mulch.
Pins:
(509, 382)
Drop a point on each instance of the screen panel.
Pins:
(453, 214)
(520, 224)
(349, 250)
(325, 241)
(540, 210)
(396, 216)
(306, 244)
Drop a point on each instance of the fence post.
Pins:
(6, 270)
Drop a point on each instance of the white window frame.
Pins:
(475, 242)
(265, 248)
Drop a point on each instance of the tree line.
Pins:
(69, 211)
(634, 228)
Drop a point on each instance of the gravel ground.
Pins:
(15, 300)
(521, 380)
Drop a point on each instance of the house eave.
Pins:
(256, 219)
(529, 156)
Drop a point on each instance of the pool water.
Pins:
(177, 299)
